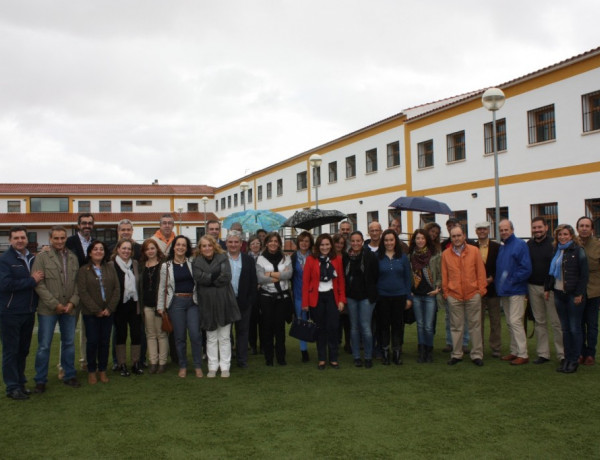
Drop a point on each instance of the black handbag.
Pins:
(409, 316)
(304, 330)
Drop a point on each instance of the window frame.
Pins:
(393, 154)
(63, 204)
(537, 126)
(279, 185)
(425, 152)
(501, 139)
(105, 206)
(456, 148)
(371, 165)
(14, 204)
(550, 214)
(332, 172)
(351, 167)
(269, 190)
(590, 115)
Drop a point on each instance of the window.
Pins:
(456, 146)
(393, 154)
(14, 206)
(491, 218)
(259, 193)
(372, 216)
(462, 220)
(301, 183)
(242, 198)
(193, 207)
(371, 157)
(395, 214)
(316, 176)
(500, 136)
(269, 190)
(279, 187)
(425, 218)
(591, 112)
(84, 206)
(541, 124)
(126, 206)
(229, 202)
(143, 203)
(216, 206)
(425, 154)
(332, 171)
(333, 229)
(352, 219)
(49, 205)
(235, 199)
(549, 212)
(351, 167)
(149, 232)
(249, 191)
(222, 203)
(105, 206)
(592, 210)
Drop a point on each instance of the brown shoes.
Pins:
(92, 379)
(103, 377)
(589, 361)
(509, 358)
(519, 361)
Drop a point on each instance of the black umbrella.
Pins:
(421, 203)
(312, 218)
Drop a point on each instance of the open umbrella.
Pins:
(253, 220)
(421, 203)
(312, 218)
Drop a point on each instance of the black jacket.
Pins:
(74, 244)
(541, 255)
(248, 284)
(371, 265)
(575, 271)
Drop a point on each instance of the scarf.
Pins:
(327, 270)
(556, 264)
(129, 291)
(419, 261)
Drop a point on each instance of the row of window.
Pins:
(62, 205)
(541, 127)
(226, 201)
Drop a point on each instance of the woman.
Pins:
(99, 294)
(219, 308)
(254, 250)
(304, 244)
(274, 271)
(254, 247)
(128, 311)
(324, 291)
(156, 338)
(393, 288)
(177, 294)
(361, 270)
(433, 231)
(569, 278)
(425, 264)
(339, 243)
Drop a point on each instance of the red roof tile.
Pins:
(101, 218)
(105, 189)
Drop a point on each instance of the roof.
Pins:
(105, 189)
(100, 218)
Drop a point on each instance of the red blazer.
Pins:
(310, 281)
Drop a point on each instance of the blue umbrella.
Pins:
(253, 220)
(421, 203)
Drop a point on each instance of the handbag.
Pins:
(304, 330)
(409, 316)
(166, 325)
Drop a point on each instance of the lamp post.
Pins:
(204, 200)
(493, 99)
(244, 186)
(315, 162)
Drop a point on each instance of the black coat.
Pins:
(248, 285)
(575, 271)
(371, 265)
(74, 244)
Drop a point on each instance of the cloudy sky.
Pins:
(203, 92)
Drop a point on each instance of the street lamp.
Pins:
(315, 162)
(204, 200)
(244, 186)
(493, 99)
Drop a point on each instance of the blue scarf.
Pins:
(556, 264)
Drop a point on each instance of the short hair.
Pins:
(460, 227)
(188, 251)
(125, 222)
(316, 252)
(159, 254)
(452, 220)
(539, 219)
(166, 216)
(512, 227)
(233, 234)
(216, 246)
(213, 221)
(236, 224)
(304, 235)
(374, 222)
(584, 217)
(345, 222)
(93, 244)
(82, 215)
(261, 230)
(16, 229)
(56, 228)
(359, 233)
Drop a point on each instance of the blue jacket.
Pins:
(513, 268)
(395, 277)
(17, 287)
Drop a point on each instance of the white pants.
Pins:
(218, 348)
(514, 311)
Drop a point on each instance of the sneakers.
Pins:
(211, 374)
(224, 374)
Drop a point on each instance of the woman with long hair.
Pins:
(393, 288)
(304, 244)
(157, 339)
(218, 305)
(177, 294)
(425, 264)
(324, 291)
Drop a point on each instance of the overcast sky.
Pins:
(203, 92)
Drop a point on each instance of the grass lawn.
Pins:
(409, 411)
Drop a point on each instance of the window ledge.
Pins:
(350, 178)
(491, 154)
(587, 133)
(332, 182)
(370, 173)
(392, 167)
(456, 161)
(551, 141)
(425, 168)
(302, 189)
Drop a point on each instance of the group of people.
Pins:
(129, 290)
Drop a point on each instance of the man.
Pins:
(58, 299)
(18, 303)
(236, 226)
(513, 269)
(125, 232)
(489, 253)
(591, 246)
(464, 284)
(397, 227)
(541, 252)
(345, 229)
(213, 228)
(164, 236)
(375, 234)
(450, 224)
(79, 242)
(244, 282)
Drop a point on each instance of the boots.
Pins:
(121, 357)
(428, 354)
(385, 357)
(422, 354)
(135, 357)
(397, 357)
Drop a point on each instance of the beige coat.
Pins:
(53, 290)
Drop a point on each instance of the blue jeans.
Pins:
(16, 333)
(97, 331)
(425, 308)
(46, 326)
(590, 327)
(185, 317)
(361, 314)
(570, 320)
(303, 315)
(466, 337)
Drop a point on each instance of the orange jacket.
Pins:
(464, 276)
(310, 281)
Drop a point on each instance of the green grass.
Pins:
(409, 411)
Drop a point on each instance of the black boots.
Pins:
(397, 357)
(385, 357)
(422, 354)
